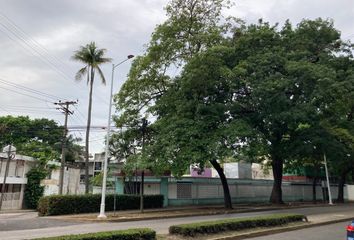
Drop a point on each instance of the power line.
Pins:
(24, 94)
(24, 44)
(31, 90)
(35, 48)
(33, 41)
(27, 107)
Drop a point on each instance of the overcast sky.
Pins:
(38, 37)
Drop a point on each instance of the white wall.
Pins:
(71, 182)
(253, 191)
(349, 192)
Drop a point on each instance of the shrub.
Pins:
(130, 234)
(234, 224)
(73, 204)
(34, 191)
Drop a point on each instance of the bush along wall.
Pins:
(34, 191)
(234, 224)
(72, 204)
(130, 234)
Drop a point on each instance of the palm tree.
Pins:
(92, 57)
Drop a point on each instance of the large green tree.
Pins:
(21, 130)
(267, 77)
(195, 125)
(282, 71)
(92, 57)
(192, 26)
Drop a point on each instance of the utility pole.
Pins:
(9, 149)
(327, 178)
(64, 107)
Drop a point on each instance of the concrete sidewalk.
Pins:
(316, 215)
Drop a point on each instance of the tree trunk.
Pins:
(227, 196)
(314, 181)
(277, 168)
(342, 177)
(87, 186)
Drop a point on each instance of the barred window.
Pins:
(184, 190)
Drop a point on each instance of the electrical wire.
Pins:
(33, 41)
(24, 94)
(31, 90)
(35, 48)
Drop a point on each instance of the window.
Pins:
(98, 166)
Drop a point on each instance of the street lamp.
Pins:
(104, 182)
(327, 178)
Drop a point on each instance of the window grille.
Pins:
(184, 190)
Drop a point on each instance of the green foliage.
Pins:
(21, 130)
(34, 191)
(128, 145)
(129, 234)
(192, 26)
(37, 138)
(74, 151)
(98, 179)
(262, 93)
(73, 204)
(92, 57)
(40, 151)
(195, 124)
(193, 229)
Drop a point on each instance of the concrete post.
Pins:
(21, 196)
(120, 185)
(164, 190)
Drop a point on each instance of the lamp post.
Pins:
(327, 178)
(11, 151)
(102, 214)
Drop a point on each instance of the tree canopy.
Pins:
(282, 93)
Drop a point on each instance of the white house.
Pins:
(16, 179)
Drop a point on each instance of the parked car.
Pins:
(350, 231)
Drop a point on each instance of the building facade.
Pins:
(16, 179)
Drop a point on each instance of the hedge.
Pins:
(234, 224)
(73, 204)
(130, 234)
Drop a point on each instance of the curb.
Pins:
(262, 233)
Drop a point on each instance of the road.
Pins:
(29, 220)
(32, 227)
(328, 232)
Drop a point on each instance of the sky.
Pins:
(38, 38)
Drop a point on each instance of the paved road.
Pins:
(161, 226)
(328, 232)
(29, 220)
